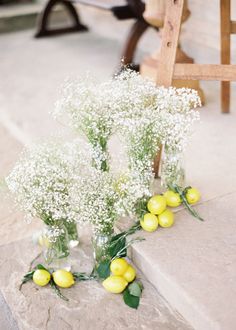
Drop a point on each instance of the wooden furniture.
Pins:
(121, 9)
(155, 14)
(168, 70)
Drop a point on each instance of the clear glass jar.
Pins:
(56, 247)
(100, 242)
(72, 232)
(172, 168)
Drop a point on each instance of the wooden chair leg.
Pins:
(136, 32)
(169, 45)
(43, 20)
(225, 51)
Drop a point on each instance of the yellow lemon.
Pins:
(156, 204)
(166, 219)
(119, 266)
(193, 195)
(172, 199)
(130, 274)
(149, 222)
(41, 277)
(63, 278)
(115, 284)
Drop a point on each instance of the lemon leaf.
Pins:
(82, 276)
(134, 289)
(130, 300)
(103, 269)
(117, 244)
(182, 194)
(39, 266)
(57, 290)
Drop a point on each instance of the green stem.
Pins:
(57, 290)
(181, 192)
(83, 276)
(132, 241)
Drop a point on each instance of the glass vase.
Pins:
(72, 232)
(56, 248)
(100, 242)
(172, 169)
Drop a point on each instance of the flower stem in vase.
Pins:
(100, 242)
(56, 251)
(72, 231)
(172, 168)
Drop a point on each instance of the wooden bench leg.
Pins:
(43, 20)
(225, 51)
(136, 32)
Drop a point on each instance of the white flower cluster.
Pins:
(156, 116)
(63, 182)
(42, 179)
(143, 115)
(96, 200)
(89, 107)
(54, 233)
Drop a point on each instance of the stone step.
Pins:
(192, 264)
(89, 306)
(41, 309)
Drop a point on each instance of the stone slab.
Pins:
(7, 322)
(192, 264)
(10, 149)
(90, 306)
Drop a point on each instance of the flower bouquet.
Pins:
(65, 184)
(41, 182)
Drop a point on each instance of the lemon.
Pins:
(149, 222)
(63, 278)
(130, 274)
(115, 284)
(119, 266)
(172, 199)
(156, 204)
(41, 277)
(166, 219)
(193, 195)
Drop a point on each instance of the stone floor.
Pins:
(89, 307)
(192, 265)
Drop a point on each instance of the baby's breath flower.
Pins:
(144, 116)
(43, 177)
(95, 201)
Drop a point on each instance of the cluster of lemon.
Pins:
(61, 277)
(159, 214)
(122, 274)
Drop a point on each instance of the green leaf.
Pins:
(182, 194)
(103, 269)
(118, 236)
(29, 274)
(117, 244)
(39, 266)
(130, 300)
(57, 290)
(83, 276)
(135, 289)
